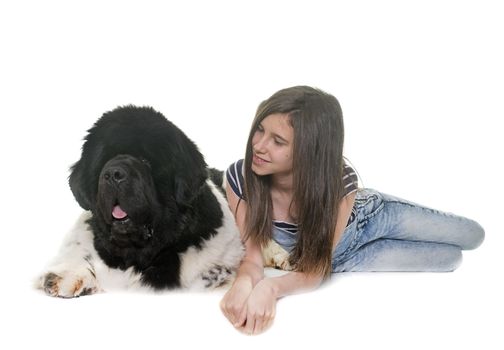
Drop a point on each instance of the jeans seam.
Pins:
(418, 206)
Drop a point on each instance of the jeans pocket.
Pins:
(368, 203)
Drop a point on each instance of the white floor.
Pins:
(360, 310)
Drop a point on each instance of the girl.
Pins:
(295, 188)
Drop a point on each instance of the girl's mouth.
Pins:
(258, 160)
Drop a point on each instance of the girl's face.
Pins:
(272, 146)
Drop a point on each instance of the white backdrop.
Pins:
(421, 86)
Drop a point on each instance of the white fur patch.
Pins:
(224, 249)
(79, 270)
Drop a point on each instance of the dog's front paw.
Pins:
(69, 284)
(216, 277)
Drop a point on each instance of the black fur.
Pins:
(133, 157)
(217, 177)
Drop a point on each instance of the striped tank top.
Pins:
(234, 177)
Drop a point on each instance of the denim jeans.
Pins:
(392, 234)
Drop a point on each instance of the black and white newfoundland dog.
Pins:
(156, 217)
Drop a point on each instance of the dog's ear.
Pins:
(78, 185)
(185, 164)
(187, 187)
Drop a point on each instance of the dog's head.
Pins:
(136, 170)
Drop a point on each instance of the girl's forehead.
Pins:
(278, 119)
(279, 124)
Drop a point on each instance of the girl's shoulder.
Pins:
(234, 177)
(350, 179)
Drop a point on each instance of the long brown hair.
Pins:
(317, 120)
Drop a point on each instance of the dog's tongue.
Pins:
(118, 213)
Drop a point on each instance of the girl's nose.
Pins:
(260, 146)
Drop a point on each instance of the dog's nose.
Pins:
(115, 174)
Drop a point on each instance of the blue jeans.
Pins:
(392, 234)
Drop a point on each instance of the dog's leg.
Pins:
(72, 273)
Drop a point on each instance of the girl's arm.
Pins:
(250, 272)
(344, 211)
(251, 267)
(261, 304)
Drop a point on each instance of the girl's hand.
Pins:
(260, 309)
(234, 303)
